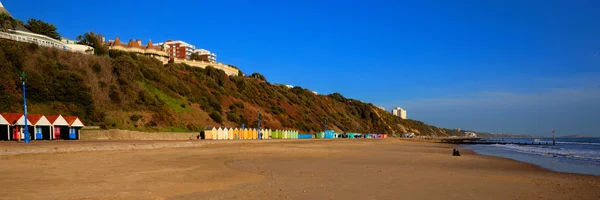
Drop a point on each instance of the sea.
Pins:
(572, 155)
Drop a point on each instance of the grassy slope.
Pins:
(139, 93)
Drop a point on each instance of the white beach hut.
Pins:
(16, 124)
(59, 124)
(41, 126)
(220, 133)
(4, 129)
(225, 133)
(75, 125)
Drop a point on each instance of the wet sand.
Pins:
(302, 169)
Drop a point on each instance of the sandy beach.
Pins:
(300, 169)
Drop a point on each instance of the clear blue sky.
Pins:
(494, 65)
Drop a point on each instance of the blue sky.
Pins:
(494, 65)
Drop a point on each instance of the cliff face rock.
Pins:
(129, 91)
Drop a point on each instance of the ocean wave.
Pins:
(578, 143)
(582, 143)
(588, 155)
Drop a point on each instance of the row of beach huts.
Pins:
(40, 127)
(219, 133)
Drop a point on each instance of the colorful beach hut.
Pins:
(209, 133)
(245, 134)
(236, 133)
(261, 134)
(254, 134)
(59, 124)
(41, 126)
(16, 124)
(305, 136)
(4, 129)
(75, 126)
(230, 134)
(329, 134)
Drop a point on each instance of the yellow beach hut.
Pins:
(254, 133)
(236, 133)
(230, 134)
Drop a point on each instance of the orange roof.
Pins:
(117, 42)
(150, 46)
(12, 117)
(52, 118)
(34, 118)
(71, 119)
(133, 44)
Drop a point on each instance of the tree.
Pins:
(40, 27)
(196, 56)
(7, 22)
(94, 40)
(258, 76)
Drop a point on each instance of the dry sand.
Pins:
(301, 169)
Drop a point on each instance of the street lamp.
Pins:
(259, 133)
(26, 131)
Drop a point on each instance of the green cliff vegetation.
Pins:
(134, 92)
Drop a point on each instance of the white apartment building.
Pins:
(399, 112)
(206, 53)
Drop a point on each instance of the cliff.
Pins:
(133, 92)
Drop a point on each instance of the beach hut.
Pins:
(4, 129)
(236, 133)
(305, 136)
(269, 136)
(41, 126)
(329, 134)
(225, 133)
(59, 125)
(16, 123)
(261, 134)
(75, 125)
(219, 133)
(254, 134)
(319, 135)
(230, 134)
(209, 132)
(245, 135)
